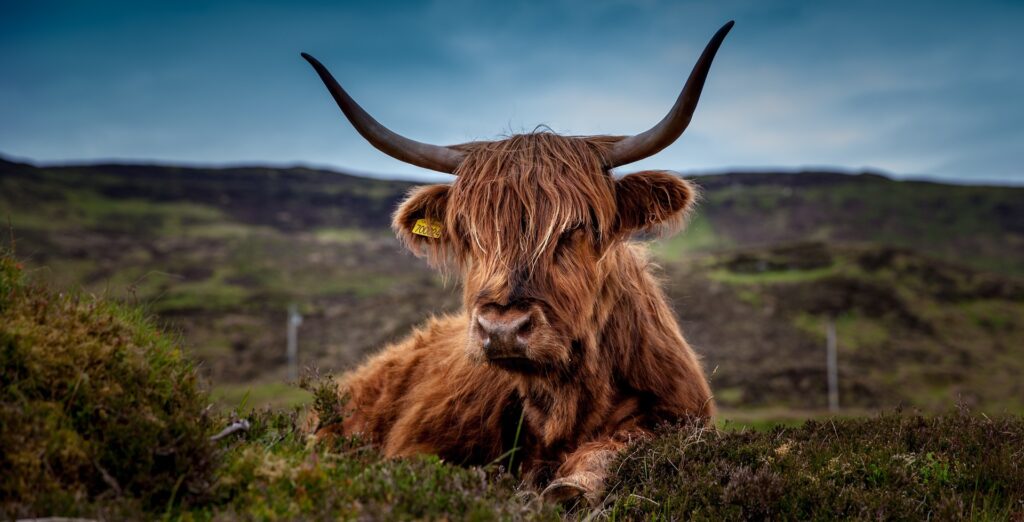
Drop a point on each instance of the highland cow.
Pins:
(566, 348)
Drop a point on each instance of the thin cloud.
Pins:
(915, 88)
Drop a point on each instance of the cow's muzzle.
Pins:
(504, 333)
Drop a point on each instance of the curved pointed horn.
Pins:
(650, 142)
(433, 157)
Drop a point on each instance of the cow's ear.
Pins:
(419, 220)
(653, 201)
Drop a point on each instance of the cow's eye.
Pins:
(568, 237)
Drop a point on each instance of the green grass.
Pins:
(360, 284)
(209, 294)
(992, 315)
(269, 395)
(79, 208)
(698, 236)
(757, 424)
(224, 230)
(772, 276)
(273, 472)
(856, 331)
(767, 418)
(342, 236)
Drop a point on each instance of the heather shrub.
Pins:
(892, 467)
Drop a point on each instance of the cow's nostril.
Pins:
(525, 327)
(482, 332)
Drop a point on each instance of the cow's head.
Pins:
(531, 222)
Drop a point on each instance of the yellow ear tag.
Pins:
(428, 228)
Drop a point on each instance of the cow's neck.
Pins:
(631, 315)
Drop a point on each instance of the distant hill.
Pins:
(979, 226)
(923, 278)
(286, 199)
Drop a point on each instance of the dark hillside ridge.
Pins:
(287, 199)
(978, 226)
(801, 178)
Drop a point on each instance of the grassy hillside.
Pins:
(102, 418)
(911, 330)
(979, 227)
(923, 279)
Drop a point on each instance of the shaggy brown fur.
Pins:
(537, 229)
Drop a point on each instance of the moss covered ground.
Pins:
(96, 404)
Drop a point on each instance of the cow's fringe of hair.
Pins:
(525, 204)
(522, 210)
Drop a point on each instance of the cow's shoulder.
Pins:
(441, 333)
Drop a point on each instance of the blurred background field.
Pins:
(923, 280)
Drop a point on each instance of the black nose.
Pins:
(504, 334)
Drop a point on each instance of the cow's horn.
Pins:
(434, 157)
(650, 142)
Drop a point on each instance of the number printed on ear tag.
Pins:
(428, 228)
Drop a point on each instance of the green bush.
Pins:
(95, 404)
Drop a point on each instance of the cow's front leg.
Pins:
(584, 471)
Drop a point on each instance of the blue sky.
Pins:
(916, 89)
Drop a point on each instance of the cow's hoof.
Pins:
(563, 489)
